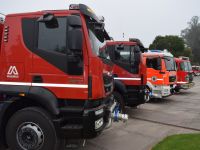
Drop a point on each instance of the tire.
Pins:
(120, 101)
(31, 126)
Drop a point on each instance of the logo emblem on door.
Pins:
(12, 72)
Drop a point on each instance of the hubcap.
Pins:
(29, 136)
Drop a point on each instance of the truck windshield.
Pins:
(185, 66)
(170, 63)
(97, 40)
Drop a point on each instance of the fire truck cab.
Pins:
(53, 83)
(161, 72)
(184, 73)
(129, 73)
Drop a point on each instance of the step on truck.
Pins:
(184, 73)
(129, 73)
(53, 84)
(161, 73)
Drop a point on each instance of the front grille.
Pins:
(108, 83)
(172, 78)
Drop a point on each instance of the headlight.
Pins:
(98, 123)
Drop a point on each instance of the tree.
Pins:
(191, 36)
(174, 44)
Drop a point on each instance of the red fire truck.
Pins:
(184, 73)
(53, 84)
(161, 72)
(196, 70)
(129, 73)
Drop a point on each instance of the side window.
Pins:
(57, 44)
(127, 57)
(154, 63)
(122, 54)
(53, 39)
(122, 58)
(28, 30)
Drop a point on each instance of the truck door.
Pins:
(155, 70)
(57, 62)
(127, 61)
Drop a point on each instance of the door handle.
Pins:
(37, 79)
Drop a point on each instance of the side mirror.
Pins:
(137, 56)
(75, 40)
(49, 20)
(75, 35)
(74, 21)
(99, 30)
(46, 17)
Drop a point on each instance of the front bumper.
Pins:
(185, 85)
(160, 91)
(84, 122)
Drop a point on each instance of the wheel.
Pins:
(31, 129)
(120, 101)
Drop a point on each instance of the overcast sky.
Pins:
(143, 19)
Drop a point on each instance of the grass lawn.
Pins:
(179, 142)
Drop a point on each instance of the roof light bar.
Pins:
(74, 7)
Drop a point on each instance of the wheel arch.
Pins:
(37, 96)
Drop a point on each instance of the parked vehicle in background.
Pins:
(184, 73)
(196, 70)
(161, 72)
(129, 73)
(53, 83)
